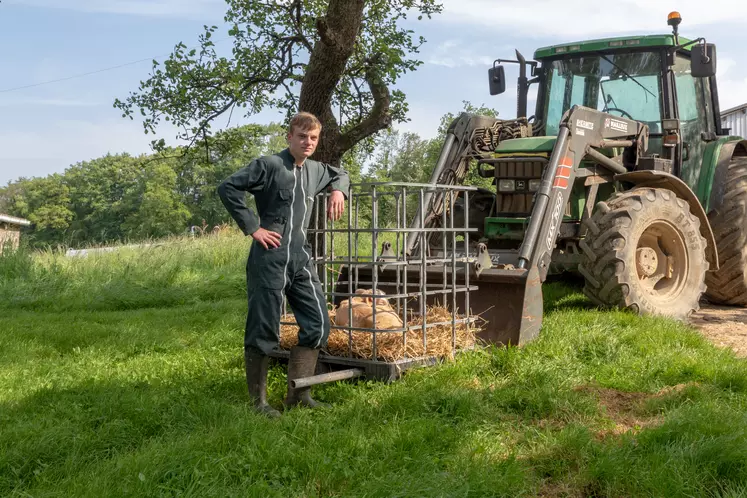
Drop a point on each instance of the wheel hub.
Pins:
(647, 261)
(662, 262)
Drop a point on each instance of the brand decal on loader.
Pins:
(554, 221)
(614, 124)
(563, 174)
(587, 125)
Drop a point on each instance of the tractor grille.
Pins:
(522, 172)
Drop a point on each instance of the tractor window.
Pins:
(693, 95)
(556, 97)
(565, 93)
(577, 90)
(686, 98)
(623, 84)
(639, 102)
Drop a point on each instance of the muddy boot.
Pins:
(302, 363)
(256, 381)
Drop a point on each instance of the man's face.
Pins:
(302, 143)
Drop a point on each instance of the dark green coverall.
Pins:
(284, 195)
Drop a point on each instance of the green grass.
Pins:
(123, 375)
(179, 271)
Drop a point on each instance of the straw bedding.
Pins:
(390, 346)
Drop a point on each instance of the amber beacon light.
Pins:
(674, 19)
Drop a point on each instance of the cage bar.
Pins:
(400, 287)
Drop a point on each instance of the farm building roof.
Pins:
(734, 109)
(4, 218)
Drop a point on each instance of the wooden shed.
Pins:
(10, 231)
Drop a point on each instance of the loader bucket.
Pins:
(508, 302)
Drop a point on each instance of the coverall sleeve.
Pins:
(337, 178)
(252, 179)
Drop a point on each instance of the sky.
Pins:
(46, 127)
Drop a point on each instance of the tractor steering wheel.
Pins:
(624, 113)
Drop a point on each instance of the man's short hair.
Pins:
(305, 121)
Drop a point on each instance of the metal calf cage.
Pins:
(398, 294)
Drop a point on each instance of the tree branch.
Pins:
(286, 68)
(360, 98)
(325, 33)
(295, 14)
(378, 119)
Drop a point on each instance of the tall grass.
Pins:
(169, 272)
(165, 273)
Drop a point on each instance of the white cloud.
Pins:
(732, 92)
(732, 87)
(452, 53)
(581, 19)
(725, 65)
(195, 9)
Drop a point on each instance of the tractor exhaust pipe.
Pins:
(523, 87)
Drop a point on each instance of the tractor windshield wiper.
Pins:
(626, 74)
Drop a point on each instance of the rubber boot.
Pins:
(256, 381)
(302, 363)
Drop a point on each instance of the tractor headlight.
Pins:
(534, 185)
(506, 185)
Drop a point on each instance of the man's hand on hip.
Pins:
(267, 238)
(336, 205)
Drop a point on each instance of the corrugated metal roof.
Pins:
(13, 220)
(733, 110)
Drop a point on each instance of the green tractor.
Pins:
(623, 174)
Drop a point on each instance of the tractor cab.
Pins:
(664, 81)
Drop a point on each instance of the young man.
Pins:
(284, 186)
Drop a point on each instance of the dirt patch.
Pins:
(625, 409)
(725, 326)
(554, 489)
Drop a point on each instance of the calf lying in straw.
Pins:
(362, 306)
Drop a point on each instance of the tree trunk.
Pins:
(338, 30)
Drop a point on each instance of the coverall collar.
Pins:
(287, 153)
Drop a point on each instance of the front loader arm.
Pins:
(469, 137)
(582, 131)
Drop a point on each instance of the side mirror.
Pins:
(497, 79)
(703, 60)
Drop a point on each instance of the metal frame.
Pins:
(415, 274)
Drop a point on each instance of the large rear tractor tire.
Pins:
(728, 284)
(644, 252)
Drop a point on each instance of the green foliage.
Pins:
(276, 46)
(102, 192)
(159, 211)
(43, 201)
(123, 198)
